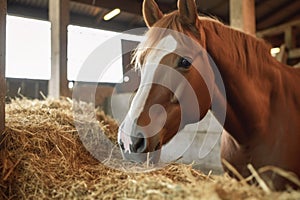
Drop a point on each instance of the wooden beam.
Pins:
(59, 18)
(112, 25)
(21, 10)
(290, 9)
(282, 56)
(242, 15)
(290, 38)
(236, 14)
(278, 29)
(3, 10)
(130, 6)
(75, 19)
(249, 16)
(263, 8)
(294, 53)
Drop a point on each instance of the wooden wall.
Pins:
(32, 89)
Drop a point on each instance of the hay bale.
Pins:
(42, 157)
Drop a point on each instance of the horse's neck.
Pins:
(248, 81)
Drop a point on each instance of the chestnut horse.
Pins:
(262, 97)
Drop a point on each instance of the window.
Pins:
(82, 42)
(27, 48)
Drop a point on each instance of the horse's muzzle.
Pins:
(138, 148)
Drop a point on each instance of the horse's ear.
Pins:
(188, 11)
(151, 12)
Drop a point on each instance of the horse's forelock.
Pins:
(159, 30)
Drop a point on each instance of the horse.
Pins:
(262, 96)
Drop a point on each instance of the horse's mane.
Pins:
(242, 44)
(244, 48)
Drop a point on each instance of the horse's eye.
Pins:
(184, 62)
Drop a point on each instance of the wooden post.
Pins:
(282, 56)
(290, 38)
(59, 18)
(242, 15)
(3, 10)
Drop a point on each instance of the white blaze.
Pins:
(164, 47)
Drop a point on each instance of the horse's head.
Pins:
(173, 91)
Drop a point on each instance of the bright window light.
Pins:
(28, 48)
(82, 42)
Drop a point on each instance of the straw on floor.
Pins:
(43, 157)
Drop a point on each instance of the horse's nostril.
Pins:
(138, 143)
(121, 144)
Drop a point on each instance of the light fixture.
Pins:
(112, 14)
(275, 51)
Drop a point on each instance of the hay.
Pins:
(42, 157)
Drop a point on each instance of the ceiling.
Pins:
(90, 13)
